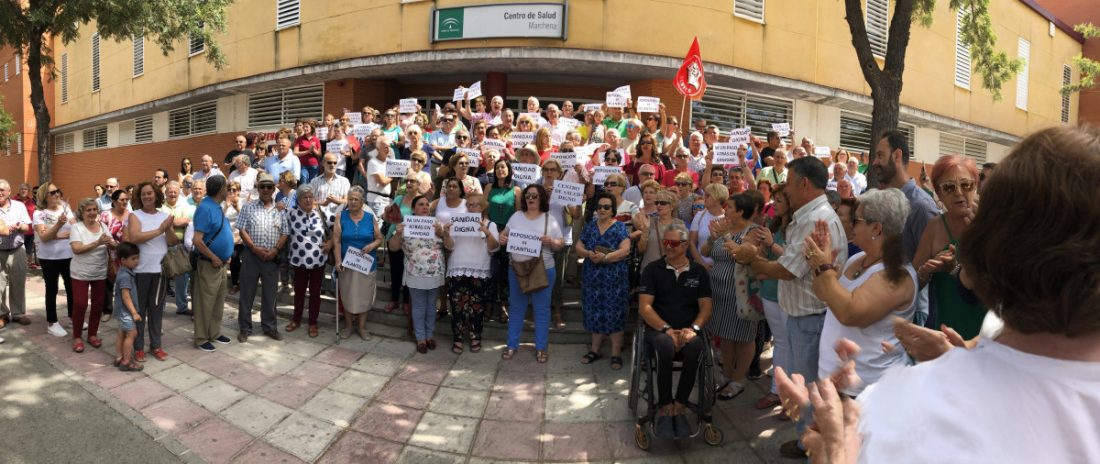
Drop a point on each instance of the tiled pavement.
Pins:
(306, 399)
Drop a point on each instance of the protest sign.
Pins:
(624, 91)
(591, 106)
(726, 153)
(336, 146)
(322, 133)
(419, 227)
(474, 91)
(567, 159)
(602, 172)
(397, 168)
(567, 193)
(363, 130)
(354, 118)
(524, 243)
(408, 105)
(520, 139)
(649, 104)
(460, 94)
(525, 174)
(494, 144)
(358, 261)
(472, 154)
(822, 152)
(784, 128)
(466, 225)
(615, 100)
(741, 135)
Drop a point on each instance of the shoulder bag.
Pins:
(531, 274)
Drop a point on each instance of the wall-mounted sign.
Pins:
(526, 20)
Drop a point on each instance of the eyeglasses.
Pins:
(673, 243)
(681, 156)
(662, 203)
(684, 184)
(647, 143)
(462, 137)
(389, 115)
(448, 120)
(857, 220)
(611, 184)
(55, 192)
(532, 196)
(112, 187)
(604, 207)
(234, 190)
(417, 160)
(949, 187)
(266, 187)
(331, 163)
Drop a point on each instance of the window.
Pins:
(64, 77)
(193, 120)
(1021, 79)
(126, 132)
(18, 144)
(283, 107)
(95, 62)
(1067, 75)
(855, 132)
(750, 9)
(5, 72)
(196, 43)
(962, 53)
(878, 20)
(958, 145)
(18, 64)
(139, 55)
(95, 137)
(728, 108)
(63, 143)
(288, 13)
(143, 129)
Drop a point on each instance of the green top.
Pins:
(619, 126)
(950, 309)
(769, 289)
(502, 203)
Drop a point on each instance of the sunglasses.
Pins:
(388, 115)
(681, 156)
(603, 207)
(266, 187)
(662, 203)
(684, 184)
(462, 137)
(234, 190)
(331, 163)
(949, 187)
(417, 160)
(611, 184)
(55, 192)
(673, 243)
(532, 196)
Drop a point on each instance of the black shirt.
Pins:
(676, 300)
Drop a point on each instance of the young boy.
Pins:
(125, 310)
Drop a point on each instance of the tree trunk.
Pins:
(42, 137)
(884, 116)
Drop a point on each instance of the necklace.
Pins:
(863, 268)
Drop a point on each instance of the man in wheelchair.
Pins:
(675, 303)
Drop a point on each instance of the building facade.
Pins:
(124, 108)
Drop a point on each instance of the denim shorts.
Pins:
(125, 320)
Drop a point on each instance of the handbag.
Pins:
(176, 262)
(529, 280)
(392, 214)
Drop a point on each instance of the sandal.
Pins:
(95, 342)
(78, 346)
(457, 347)
(591, 357)
(542, 356)
(118, 362)
(105, 318)
(616, 363)
(390, 307)
(475, 346)
(132, 367)
(507, 354)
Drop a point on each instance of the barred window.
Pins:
(95, 62)
(959, 145)
(193, 120)
(95, 137)
(63, 143)
(728, 108)
(878, 23)
(855, 132)
(750, 9)
(288, 13)
(283, 107)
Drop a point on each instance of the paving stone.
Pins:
(302, 435)
(176, 414)
(217, 364)
(564, 384)
(288, 391)
(470, 379)
(575, 441)
(379, 364)
(215, 440)
(182, 377)
(249, 378)
(255, 415)
(508, 440)
(109, 376)
(574, 407)
(458, 402)
(359, 383)
(414, 455)
(389, 421)
(317, 372)
(405, 393)
(620, 441)
(142, 392)
(337, 356)
(333, 406)
(159, 366)
(215, 395)
(394, 348)
(302, 348)
(520, 383)
(424, 372)
(354, 448)
(260, 452)
(443, 432)
(515, 407)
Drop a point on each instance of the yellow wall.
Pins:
(806, 40)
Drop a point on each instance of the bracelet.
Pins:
(822, 268)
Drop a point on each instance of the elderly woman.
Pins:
(379, 186)
(955, 179)
(424, 274)
(714, 201)
(504, 200)
(872, 287)
(605, 246)
(654, 227)
(460, 170)
(356, 228)
(89, 241)
(114, 220)
(414, 142)
(565, 215)
(417, 161)
(150, 228)
(469, 275)
(452, 201)
(309, 247)
(397, 256)
(52, 222)
(685, 197)
(533, 220)
(231, 207)
(544, 143)
(732, 290)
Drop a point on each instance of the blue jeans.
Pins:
(182, 289)
(804, 339)
(423, 312)
(517, 312)
(308, 173)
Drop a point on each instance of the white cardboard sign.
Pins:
(740, 135)
(525, 174)
(460, 94)
(601, 173)
(591, 107)
(520, 139)
(358, 261)
(354, 118)
(726, 153)
(567, 159)
(784, 128)
(397, 168)
(408, 105)
(615, 100)
(419, 227)
(474, 91)
(822, 152)
(336, 146)
(567, 193)
(649, 105)
(473, 155)
(494, 144)
(363, 130)
(466, 225)
(322, 133)
(524, 243)
(624, 91)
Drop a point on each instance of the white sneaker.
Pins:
(56, 330)
(1, 339)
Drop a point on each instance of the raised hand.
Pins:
(793, 394)
(922, 344)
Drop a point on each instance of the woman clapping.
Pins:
(469, 274)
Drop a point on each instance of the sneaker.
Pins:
(223, 339)
(160, 354)
(56, 330)
(207, 347)
(139, 356)
(734, 390)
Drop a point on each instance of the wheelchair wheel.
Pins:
(712, 435)
(636, 370)
(641, 438)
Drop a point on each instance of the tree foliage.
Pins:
(7, 125)
(1088, 68)
(976, 32)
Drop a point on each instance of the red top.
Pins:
(305, 144)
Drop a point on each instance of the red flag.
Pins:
(689, 79)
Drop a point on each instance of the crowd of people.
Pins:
(484, 213)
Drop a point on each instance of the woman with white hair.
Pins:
(872, 286)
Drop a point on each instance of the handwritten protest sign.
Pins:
(784, 128)
(599, 176)
(567, 159)
(726, 153)
(740, 135)
(520, 139)
(419, 227)
(494, 144)
(649, 104)
(584, 152)
(322, 133)
(466, 225)
(822, 152)
(460, 94)
(472, 155)
(567, 193)
(615, 100)
(524, 243)
(363, 130)
(336, 146)
(624, 91)
(525, 174)
(397, 168)
(408, 105)
(354, 118)
(591, 106)
(474, 91)
(358, 261)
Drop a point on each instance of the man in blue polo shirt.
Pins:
(214, 246)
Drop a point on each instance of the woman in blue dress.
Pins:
(605, 245)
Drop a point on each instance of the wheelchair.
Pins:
(643, 391)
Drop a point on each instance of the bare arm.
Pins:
(868, 304)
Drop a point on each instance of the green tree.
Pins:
(1088, 68)
(7, 126)
(30, 26)
(976, 32)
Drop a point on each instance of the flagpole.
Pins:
(683, 123)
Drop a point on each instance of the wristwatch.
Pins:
(823, 268)
(698, 330)
(665, 328)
